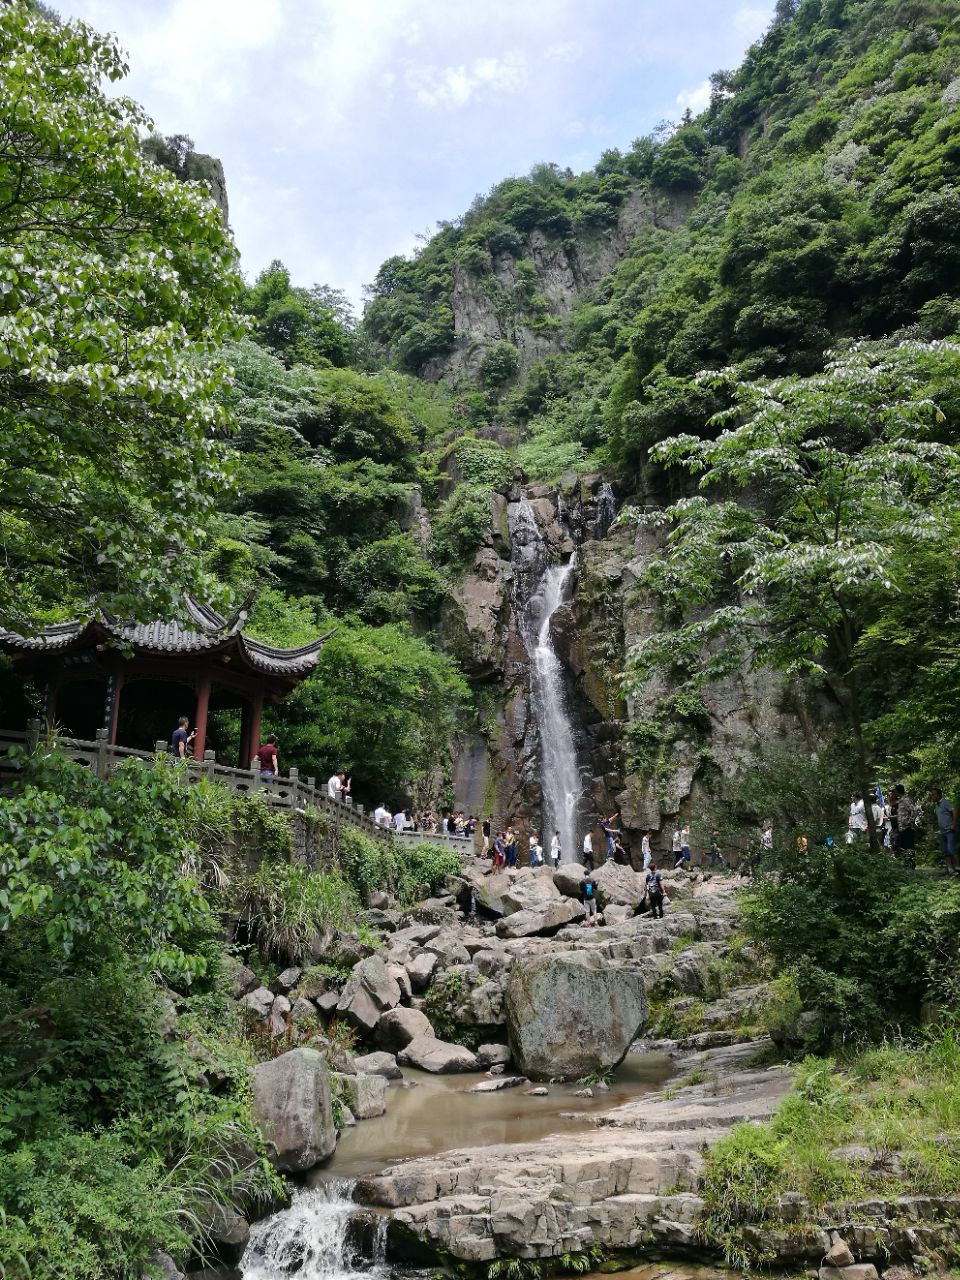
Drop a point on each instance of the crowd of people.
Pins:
(896, 817)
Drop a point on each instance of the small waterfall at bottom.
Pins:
(541, 589)
(312, 1240)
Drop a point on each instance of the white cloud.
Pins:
(455, 86)
(750, 21)
(566, 51)
(696, 100)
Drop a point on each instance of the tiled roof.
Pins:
(211, 631)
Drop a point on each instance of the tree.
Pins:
(117, 285)
(302, 326)
(838, 476)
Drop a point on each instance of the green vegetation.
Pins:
(899, 1102)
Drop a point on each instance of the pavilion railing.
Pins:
(291, 792)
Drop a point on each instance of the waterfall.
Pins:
(606, 510)
(539, 590)
(311, 1240)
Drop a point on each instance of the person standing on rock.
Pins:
(647, 850)
(499, 852)
(510, 840)
(588, 896)
(588, 851)
(485, 831)
(715, 855)
(946, 815)
(555, 853)
(610, 834)
(685, 844)
(677, 847)
(536, 850)
(655, 891)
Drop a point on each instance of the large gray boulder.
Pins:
(572, 1013)
(398, 1027)
(379, 1064)
(567, 878)
(553, 916)
(371, 990)
(430, 1054)
(420, 970)
(366, 1095)
(618, 886)
(530, 891)
(291, 1102)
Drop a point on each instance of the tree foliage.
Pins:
(117, 286)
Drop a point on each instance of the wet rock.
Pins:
(540, 1091)
(501, 1082)
(572, 1013)
(584, 1093)
(226, 1232)
(398, 1027)
(379, 1064)
(366, 1095)
(291, 1102)
(430, 1054)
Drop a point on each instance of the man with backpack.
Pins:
(655, 891)
(588, 896)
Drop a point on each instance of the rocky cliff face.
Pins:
(628, 762)
(524, 298)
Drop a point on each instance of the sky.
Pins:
(348, 128)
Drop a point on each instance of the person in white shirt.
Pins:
(337, 788)
(381, 816)
(857, 821)
(588, 851)
(399, 820)
(555, 849)
(536, 854)
(646, 850)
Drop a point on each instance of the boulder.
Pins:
(493, 1055)
(303, 1010)
(839, 1254)
(398, 1027)
(370, 991)
(291, 1102)
(340, 1058)
(530, 891)
(259, 1002)
(379, 1064)
(225, 1231)
(527, 924)
(402, 979)
(366, 1095)
(279, 1010)
(448, 946)
(567, 879)
(501, 1082)
(286, 981)
(572, 1013)
(430, 1054)
(618, 886)
(242, 981)
(327, 1003)
(616, 914)
(162, 1266)
(420, 970)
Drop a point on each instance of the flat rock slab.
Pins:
(501, 1082)
(379, 1064)
(430, 1054)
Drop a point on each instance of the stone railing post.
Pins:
(103, 748)
(255, 774)
(33, 735)
(210, 764)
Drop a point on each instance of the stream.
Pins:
(426, 1114)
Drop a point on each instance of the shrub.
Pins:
(460, 524)
(483, 462)
(372, 865)
(287, 905)
(499, 364)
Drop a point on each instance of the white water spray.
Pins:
(311, 1240)
(540, 590)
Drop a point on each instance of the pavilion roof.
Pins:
(203, 631)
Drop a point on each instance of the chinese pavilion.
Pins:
(136, 679)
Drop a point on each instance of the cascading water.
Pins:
(311, 1240)
(606, 510)
(539, 591)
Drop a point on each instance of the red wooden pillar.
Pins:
(203, 708)
(256, 717)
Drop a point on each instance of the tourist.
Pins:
(499, 851)
(607, 827)
(676, 845)
(857, 820)
(715, 856)
(681, 847)
(654, 883)
(534, 845)
(589, 851)
(555, 853)
(766, 837)
(588, 896)
(877, 811)
(267, 755)
(485, 828)
(338, 788)
(646, 849)
(510, 840)
(685, 844)
(946, 815)
(470, 829)
(536, 854)
(803, 844)
(382, 816)
(907, 815)
(620, 855)
(180, 741)
(399, 820)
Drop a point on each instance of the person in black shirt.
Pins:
(588, 896)
(655, 891)
(485, 831)
(181, 740)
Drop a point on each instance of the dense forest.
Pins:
(748, 322)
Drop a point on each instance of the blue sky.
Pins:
(349, 127)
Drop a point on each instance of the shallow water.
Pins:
(427, 1114)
